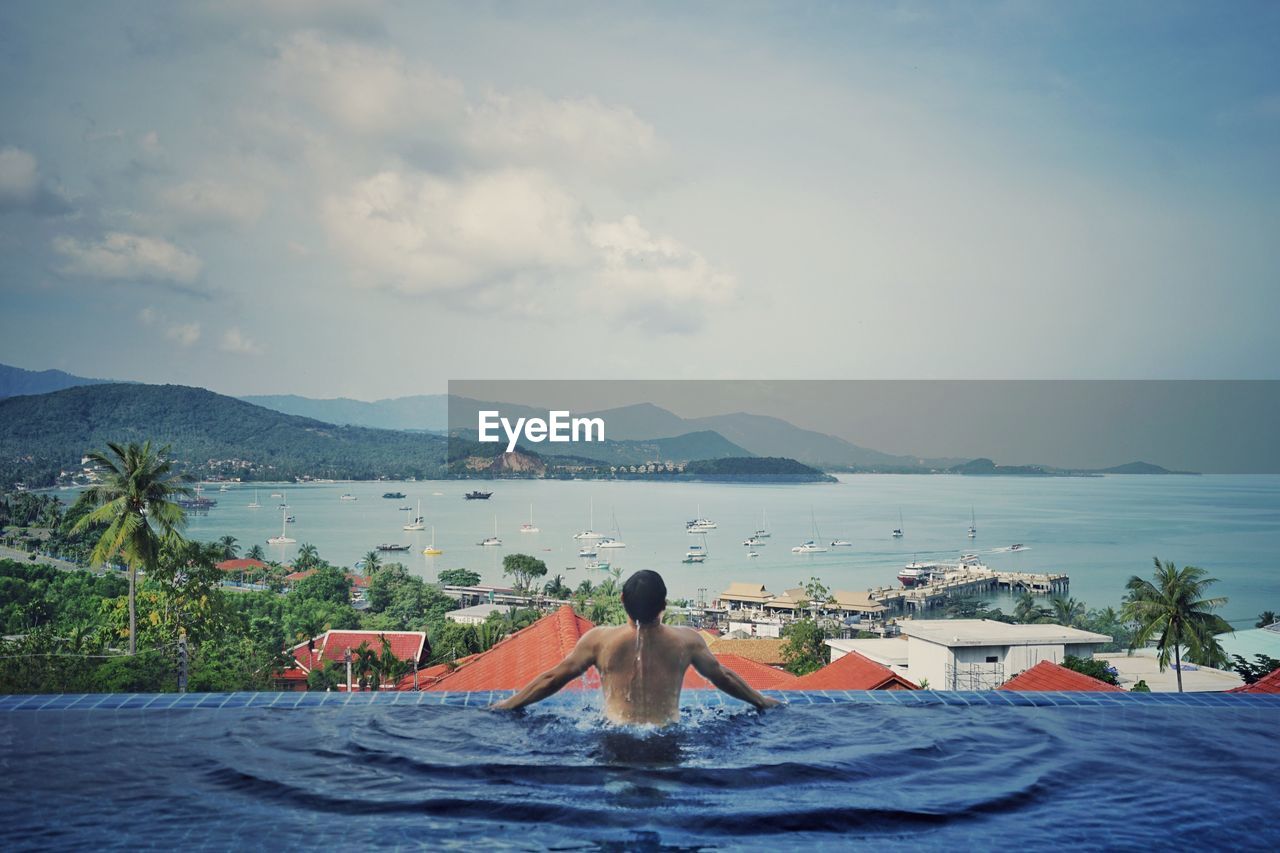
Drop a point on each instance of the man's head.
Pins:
(644, 596)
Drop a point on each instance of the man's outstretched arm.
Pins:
(548, 683)
(726, 679)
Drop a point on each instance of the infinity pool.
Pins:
(937, 770)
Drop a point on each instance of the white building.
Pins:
(475, 615)
(981, 654)
(890, 652)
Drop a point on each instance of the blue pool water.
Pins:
(933, 770)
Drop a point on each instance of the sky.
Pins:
(368, 199)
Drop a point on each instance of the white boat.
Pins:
(841, 543)
(812, 546)
(284, 500)
(753, 553)
(696, 554)
(588, 551)
(596, 564)
(431, 550)
(277, 494)
(493, 540)
(753, 542)
(418, 523)
(897, 531)
(283, 538)
(919, 574)
(699, 524)
(528, 527)
(763, 532)
(224, 488)
(255, 504)
(348, 497)
(614, 541)
(589, 534)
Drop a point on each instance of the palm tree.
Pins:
(1173, 606)
(1067, 611)
(1265, 618)
(229, 547)
(135, 498)
(308, 556)
(256, 553)
(372, 562)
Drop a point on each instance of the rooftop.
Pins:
(1143, 665)
(332, 645)
(765, 650)
(515, 660)
(853, 672)
(1267, 684)
(1049, 676)
(241, 565)
(987, 632)
(1254, 641)
(890, 651)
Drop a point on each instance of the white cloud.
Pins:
(19, 175)
(148, 316)
(234, 340)
(124, 256)
(205, 202)
(184, 333)
(517, 239)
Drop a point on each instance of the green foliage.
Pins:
(1140, 687)
(326, 584)
(405, 602)
(524, 568)
(756, 468)
(1172, 609)
(1092, 667)
(1262, 666)
(1265, 618)
(804, 650)
(556, 588)
(458, 577)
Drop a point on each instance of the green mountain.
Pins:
(211, 434)
(755, 470)
(16, 382)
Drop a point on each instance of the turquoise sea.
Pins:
(1098, 530)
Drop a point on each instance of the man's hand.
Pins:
(769, 703)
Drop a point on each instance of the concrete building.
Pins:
(981, 654)
(477, 614)
(890, 653)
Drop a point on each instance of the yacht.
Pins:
(918, 574)
(696, 554)
(284, 501)
(493, 540)
(597, 564)
(431, 550)
(753, 553)
(348, 497)
(809, 547)
(699, 524)
(841, 543)
(478, 496)
(224, 488)
(897, 531)
(283, 538)
(255, 504)
(753, 541)
(528, 527)
(763, 532)
(588, 551)
(417, 523)
(613, 541)
(392, 547)
(973, 524)
(589, 534)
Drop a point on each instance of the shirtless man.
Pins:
(641, 664)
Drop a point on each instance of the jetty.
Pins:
(976, 581)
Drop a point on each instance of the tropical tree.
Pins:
(135, 497)
(1173, 609)
(523, 568)
(372, 562)
(1067, 611)
(556, 588)
(1027, 611)
(308, 557)
(458, 577)
(228, 549)
(256, 553)
(1267, 617)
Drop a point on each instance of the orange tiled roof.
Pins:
(757, 675)
(1047, 675)
(408, 646)
(765, 650)
(515, 660)
(1267, 684)
(241, 565)
(357, 581)
(853, 672)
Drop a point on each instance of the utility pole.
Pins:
(182, 660)
(346, 657)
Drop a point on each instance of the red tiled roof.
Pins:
(765, 650)
(408, 646)
(1267, 684)
(757, 675)
(515, 660)
(358, 581)
(853, 672)
(241, 565)
(1047, 675)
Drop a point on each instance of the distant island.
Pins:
(987, 468)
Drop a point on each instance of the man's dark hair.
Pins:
(644, 596)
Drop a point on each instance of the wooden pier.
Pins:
(975, 582)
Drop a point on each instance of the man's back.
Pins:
(641, 669)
